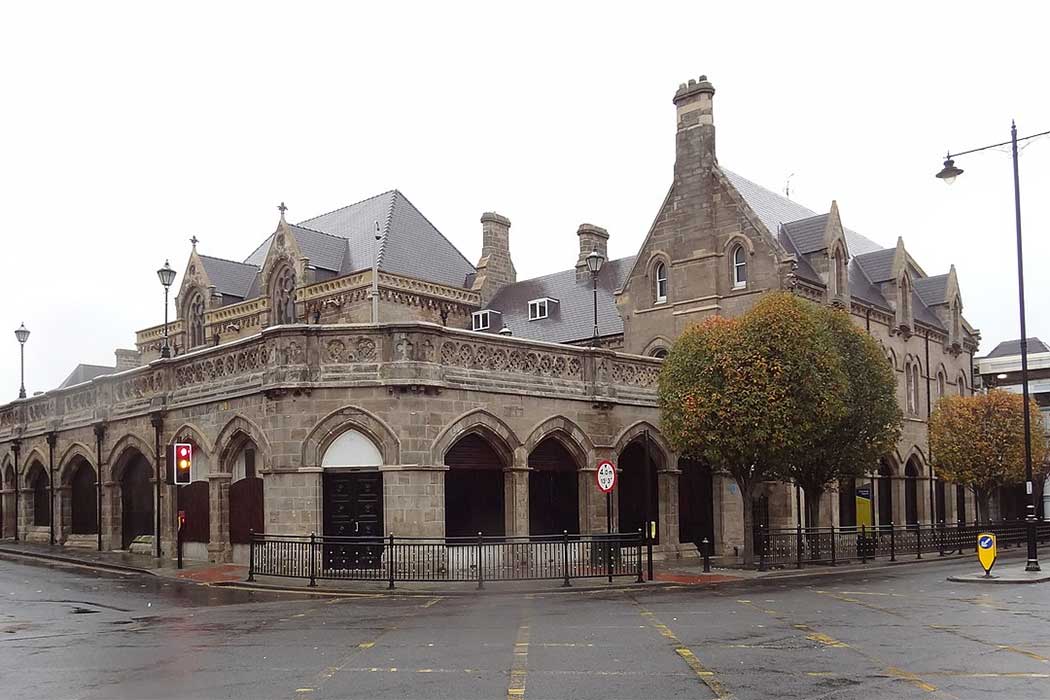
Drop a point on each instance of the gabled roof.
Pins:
(774, 210)
(877, 265)
(804, 270)
(85, 373)
(1010, 348)
(572, 318)
(932, 290)
(807, 234)
(230, 278)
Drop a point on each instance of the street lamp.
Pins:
(948, 173)
(166, 276)
(23, 335)
(594, 263)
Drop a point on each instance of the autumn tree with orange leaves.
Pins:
(748, 395)
(978, 441)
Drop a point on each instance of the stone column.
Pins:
(516, 495)
(219, 547)
(667, 487)
(63, 513)
(728, 510)
(592, 500)
(111, 514)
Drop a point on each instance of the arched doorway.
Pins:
(7, 503)
(474, 496)
(83, 502)
(911, 494)
(246, 514)
(136, 499)
(352, 501)
(40, 501)
(885, 495)
(940, 503)
(194, 499)
(638, 479)
(554, 490)
(696, 520)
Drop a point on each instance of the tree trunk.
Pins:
(982, 501)
(746, 490)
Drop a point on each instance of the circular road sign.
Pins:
(606, 476)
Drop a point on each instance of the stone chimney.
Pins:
(591, 238)
(695, 140)
(127, 359)
(495, 269)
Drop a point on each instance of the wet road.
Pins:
(75, 633)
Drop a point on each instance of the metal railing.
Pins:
(833, 545)
(478, 559)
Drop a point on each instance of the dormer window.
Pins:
(739, 268)
(480, 320)
(540, 308)
(660, 274)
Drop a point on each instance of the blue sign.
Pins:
(985, 542)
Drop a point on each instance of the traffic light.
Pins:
(183, 462)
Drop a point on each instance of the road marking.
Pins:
(706, 675)
(329, 672)
(520, 665)
(435, 601)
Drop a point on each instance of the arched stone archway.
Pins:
(554, 498)
(194, 499)
(7, 500)
(884, 494)
(80, 508)
(474, 484)
(911, 493)
(38, 504)
(352, 500)
(696, 518)
(241, 510)
(133, 512)
(638, 497)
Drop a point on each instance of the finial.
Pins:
(194, 242)
(281, 208)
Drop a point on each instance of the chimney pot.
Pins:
(591, 238)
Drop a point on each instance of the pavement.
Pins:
(1014, 573)
(70, 631)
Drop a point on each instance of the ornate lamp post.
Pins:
(948, 173)
(23, 335)
(166, 276)
(594, 263)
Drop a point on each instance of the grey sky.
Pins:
(128, 127)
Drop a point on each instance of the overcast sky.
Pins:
(128, 128)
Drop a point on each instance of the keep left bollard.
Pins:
(313, 574)
(251, 556)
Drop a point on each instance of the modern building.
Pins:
(355, 373)
(1001, 369)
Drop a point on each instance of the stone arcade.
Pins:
(474, 402)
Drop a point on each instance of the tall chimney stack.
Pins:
(591, 238)
(495, 269)
(695, 140)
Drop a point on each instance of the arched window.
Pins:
(956, 323)
(739, 267)
(962, 385)
(942, 384)
(660, 286)
(283, 296)
(840, 273)
(909, 386)
(915, 387)
(195, 318)
(660, 352)
(905, 302)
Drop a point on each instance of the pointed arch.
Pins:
(635, 430)
(339, 421)
(67, 463)
(915, 456)
(233, 436)
(122, 449)
(7, 473)
(567, 433)
(657, 344)
(195, 434)
(481, 422)
(35, 456)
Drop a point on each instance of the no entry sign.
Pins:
(606, 476)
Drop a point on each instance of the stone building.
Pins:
(356, 374)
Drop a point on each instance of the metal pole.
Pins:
(158, 423)
(375, 275)
(100, 433)
(929, 453)
(51, 440)
(22, 390)
(166, 350)
(608, 531)
(1030, 525)
(594, 277)
(648, 512)
(178, 526)
(251, 555)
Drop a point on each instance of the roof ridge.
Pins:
(446, 239)
(235, 262)
(386, 229)
(360, 201)
(322, 233)
(804, 218)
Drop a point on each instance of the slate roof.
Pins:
(804, 270)
(878, 265)
(85, 373)
(230, 278)
(572, 318)
(342, 241)
(931, 290)
(1010, 348)
(807, 234)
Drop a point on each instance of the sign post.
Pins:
(605, 475)
(986, 552)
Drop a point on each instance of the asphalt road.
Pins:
(75, 633)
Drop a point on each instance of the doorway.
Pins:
(352, 507)
(136, 502)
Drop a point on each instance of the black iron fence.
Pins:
(833, 545)
(449, 559)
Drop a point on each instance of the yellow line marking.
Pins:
(304, 690)
(366, 645)
(706, 675)
(516, 687)
(435, 601)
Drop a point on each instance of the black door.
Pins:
(136, 502)
(695, 503)
(85, 501)
(353, 508)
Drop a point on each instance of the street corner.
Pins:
(220, 573)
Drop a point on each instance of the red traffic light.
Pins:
(183, 462)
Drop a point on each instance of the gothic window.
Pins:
(659, 352)
(660, 274)
(905, 302)
(838, 272)
(195, 318)
(739, 267)
(909, 386)
(283, 296)
(956, 323)
(942, 384)
(915, 387)
(962, 385)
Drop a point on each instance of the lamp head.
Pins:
(166, 275)
(22, 334)
(595, 261)
(949, 172)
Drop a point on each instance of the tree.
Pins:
(979, 441)
(746, 394)
(848, 447)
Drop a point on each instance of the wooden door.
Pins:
(353, 508)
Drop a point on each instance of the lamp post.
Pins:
(23, 335)
(594, 263)
(948, 173)
(166, 276)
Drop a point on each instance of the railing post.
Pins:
(640, 577)
(313, 574)
(565, 559)
(763, 545)
(481, 574)
(833, 536)
(940, 539)
(707, 556)
(862, 543)
(251, 556)
(390, 563)
(893, 542)
(918, 540)
(798, 547)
